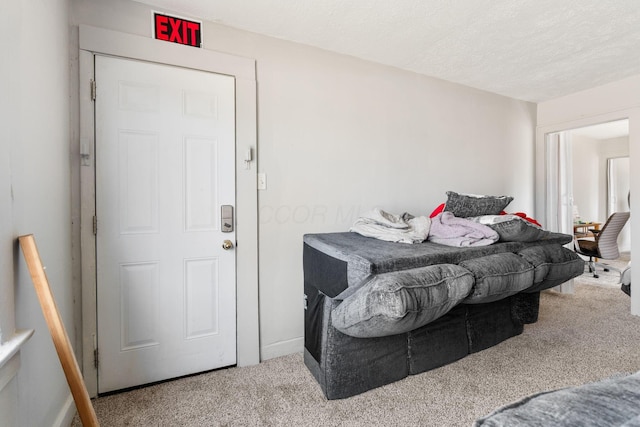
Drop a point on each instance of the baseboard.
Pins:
(66, 414)
(282, 348)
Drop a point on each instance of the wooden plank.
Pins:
(58, 332)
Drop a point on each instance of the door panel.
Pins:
(165, 155)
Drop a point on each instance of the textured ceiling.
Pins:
(533, 50)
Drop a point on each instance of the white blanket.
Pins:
(392, 228)
(450, 230)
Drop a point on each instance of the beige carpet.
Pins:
(578, 338)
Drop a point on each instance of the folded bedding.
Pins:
(389, 227)
(448, 229)
(445, 229)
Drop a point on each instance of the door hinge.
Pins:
(93, 90)
(96, 360)
(95, 225)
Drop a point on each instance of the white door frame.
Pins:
(633, 115)
(95, 40)
(559, 190)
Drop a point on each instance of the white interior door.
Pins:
(165, 144)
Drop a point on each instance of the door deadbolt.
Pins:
(226, 218)
(227, 244)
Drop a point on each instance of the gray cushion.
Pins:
(498, 276)
(465, 205)
(398, 302)
(608, 403)
(518, 230)
(553, 265)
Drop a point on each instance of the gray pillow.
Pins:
(401, 301)
(465, 205)
(498, 276)
(518, 230)
(608, 403)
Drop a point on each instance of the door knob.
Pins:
(227, 244)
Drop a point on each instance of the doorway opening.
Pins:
(587, 179)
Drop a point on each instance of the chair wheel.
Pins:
(606, 269)
(595, 276)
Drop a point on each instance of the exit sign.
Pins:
(177, 30)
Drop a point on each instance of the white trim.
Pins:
(282, 348)
(9, 370)
(87, 239)
(12, 346)
(100, 41)
(66, 414)
(9, 367)
(107, 42)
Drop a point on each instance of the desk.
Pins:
(582, 229)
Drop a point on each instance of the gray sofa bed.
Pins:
(376, 311)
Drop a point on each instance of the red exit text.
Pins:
(177, 30)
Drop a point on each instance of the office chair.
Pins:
(605, 245)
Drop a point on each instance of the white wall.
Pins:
(607, 149)
(586, 177)
(590, 173)
(35, 198)
(9, 91)
(338, 135)
(614, 101)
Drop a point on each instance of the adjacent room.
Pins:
(601, 181)
(218, 190)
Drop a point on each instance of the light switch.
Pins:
(262, 181)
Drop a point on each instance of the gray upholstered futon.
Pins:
(378, 311)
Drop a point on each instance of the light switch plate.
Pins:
(262, 181)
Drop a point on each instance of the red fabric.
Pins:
(522, 215)
(437, 210)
